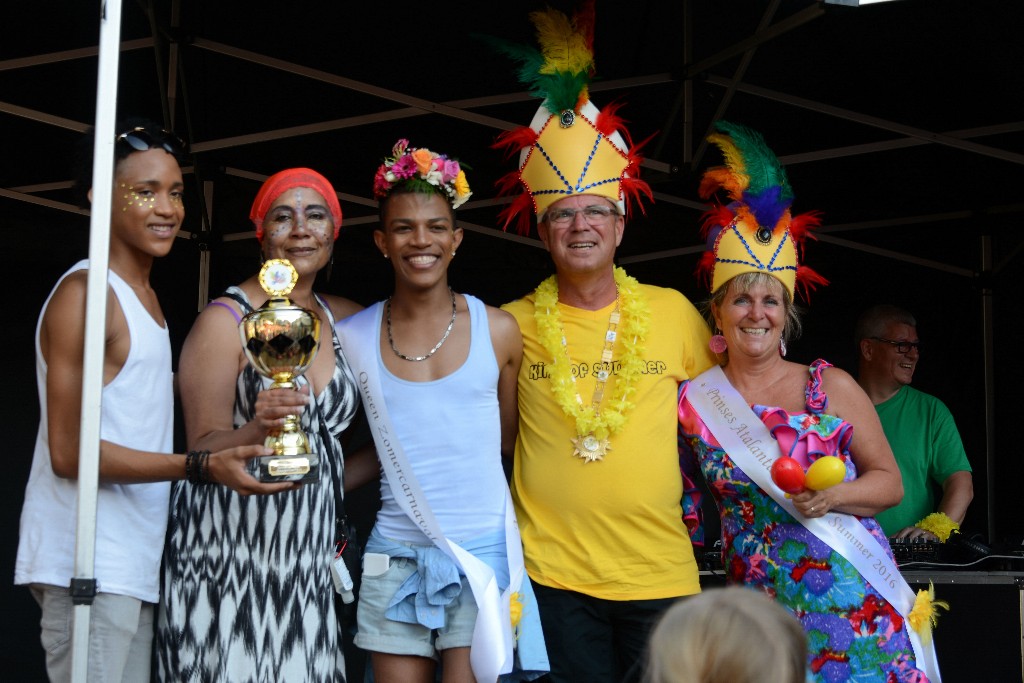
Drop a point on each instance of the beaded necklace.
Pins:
(631, 317)
(431, 352)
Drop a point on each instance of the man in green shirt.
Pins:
(919, 427)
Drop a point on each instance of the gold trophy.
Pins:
(280, 340)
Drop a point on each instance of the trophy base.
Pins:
(303, 468)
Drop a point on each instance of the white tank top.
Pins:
(450, 430)
(131, 519)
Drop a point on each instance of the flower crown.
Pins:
(422, 171)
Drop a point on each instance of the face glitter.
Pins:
(133, 198)
(300, 216)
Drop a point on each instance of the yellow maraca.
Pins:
(825, 472)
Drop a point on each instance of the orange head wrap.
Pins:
(281, 182)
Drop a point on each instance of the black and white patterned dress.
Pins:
(247, 592)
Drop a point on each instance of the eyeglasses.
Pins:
(901, 346)
(141, 140)
(594, 215)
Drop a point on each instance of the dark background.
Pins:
(901, 121)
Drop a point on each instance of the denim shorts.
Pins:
(377, 633)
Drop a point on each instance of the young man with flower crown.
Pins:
(596, 478)
(443, 573)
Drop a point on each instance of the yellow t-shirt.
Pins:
(610, 529)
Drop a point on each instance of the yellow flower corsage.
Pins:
(924, 616)
(515, 604)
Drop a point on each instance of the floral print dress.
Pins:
(853, 633)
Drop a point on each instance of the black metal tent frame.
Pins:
(725, 69)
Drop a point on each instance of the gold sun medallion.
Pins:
(590, 448)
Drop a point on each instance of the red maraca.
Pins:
(788, 475)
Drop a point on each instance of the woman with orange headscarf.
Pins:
(247, 591)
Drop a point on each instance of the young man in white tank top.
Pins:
(136, 425)
(447, 367)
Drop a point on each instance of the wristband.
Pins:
(197, 467)
(939, 524)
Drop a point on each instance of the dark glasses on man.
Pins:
(141, 139)
(901, 346)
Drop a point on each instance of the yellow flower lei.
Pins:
(633, 329)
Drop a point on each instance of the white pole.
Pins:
(83, 583)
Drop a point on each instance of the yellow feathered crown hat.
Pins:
(755, 232)
(570, 147)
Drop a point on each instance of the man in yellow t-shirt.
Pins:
(602, 528)
(596, 480)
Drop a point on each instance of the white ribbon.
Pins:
(751, 446)
(491, 649)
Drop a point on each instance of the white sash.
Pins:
(491, 649)
(751, 446)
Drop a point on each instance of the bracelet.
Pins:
(197, 467)
(939, 524)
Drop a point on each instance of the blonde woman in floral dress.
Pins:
(818, 552)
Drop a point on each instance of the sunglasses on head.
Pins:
(141, 140)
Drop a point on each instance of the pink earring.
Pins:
(717, 344)
(782, 347)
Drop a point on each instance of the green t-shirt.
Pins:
(928, 450)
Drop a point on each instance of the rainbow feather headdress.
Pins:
(755, 232)
(570, 147)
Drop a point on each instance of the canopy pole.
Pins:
(988, 350)
(83, 584)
